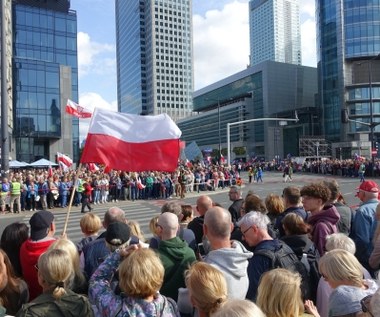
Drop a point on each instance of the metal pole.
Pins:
(220, 142)
(371, 115)
(4, 94)
(246, 121)
(228, 145)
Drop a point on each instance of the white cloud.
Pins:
(93, 56)
(221, 43)
(92, 100)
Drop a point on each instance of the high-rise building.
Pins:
(275, 33)
(45, 75)
(154, 57)
(348, 46)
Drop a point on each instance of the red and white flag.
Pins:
(64, 161)
(77, 111)
(92, 167)
(132, 142)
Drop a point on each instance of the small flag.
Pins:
(64, 161)
(92, 167)
(77, 111)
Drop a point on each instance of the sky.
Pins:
(220, 43)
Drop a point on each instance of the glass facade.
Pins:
(348, 37)
(154, 56)
(43, 40)
(275, 32)
(131, 56)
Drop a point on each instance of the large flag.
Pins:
(64, 161)
(131, 142)
(77, 111)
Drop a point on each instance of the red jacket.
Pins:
(29, 253)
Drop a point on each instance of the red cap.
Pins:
(369, 186)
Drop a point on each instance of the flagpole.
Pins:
(71, 199)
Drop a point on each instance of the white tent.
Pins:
(42, 163)
(17, 164)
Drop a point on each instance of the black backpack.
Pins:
(284, 257)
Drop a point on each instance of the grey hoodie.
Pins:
(233, 263)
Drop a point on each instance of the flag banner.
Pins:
(77, 111)
(93, 167)
(132, 142)
(64, 161)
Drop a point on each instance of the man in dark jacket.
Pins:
(175, 254)
(204, 203)
(292, 201)
(96, 251)
(235, 196)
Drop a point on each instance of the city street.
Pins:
(143, 210)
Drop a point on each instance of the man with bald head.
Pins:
(96, 251)
(175, 254)
(204, 203)
(230, 257)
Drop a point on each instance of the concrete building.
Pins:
(348, 42)
(269, 89)
(275, 32)
(45, 75)
(154, 57)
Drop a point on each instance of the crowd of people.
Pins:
(302, 252)
(38, 189)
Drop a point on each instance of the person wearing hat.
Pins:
(364, 224)
(42, 230)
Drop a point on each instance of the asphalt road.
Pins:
(143, 211)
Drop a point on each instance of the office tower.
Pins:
(154, 57)
(45, 75)
(348, 44)
(274, 28)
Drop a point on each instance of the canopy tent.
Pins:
(17, 164)
(43, 163)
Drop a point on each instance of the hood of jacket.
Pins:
(233, 261)
(174, 248)
(328, 214)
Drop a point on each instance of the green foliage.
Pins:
(240, 150)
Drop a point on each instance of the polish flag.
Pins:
(92, 167)
(77, 111)
(132, 142)
(64, 161)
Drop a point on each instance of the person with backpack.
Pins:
(268, 253)
(296, 237)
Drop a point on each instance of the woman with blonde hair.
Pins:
(239, 308)
(136, 231)
(77, 282)
(279, 295)
(54, 271)
(207, 288)
(141, 275)
(343, 272)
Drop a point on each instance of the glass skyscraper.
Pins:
(274, 28)
(154, 57)
(348, 43)
(45, 75)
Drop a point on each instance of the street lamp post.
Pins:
(219, 132)
(247, 121)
